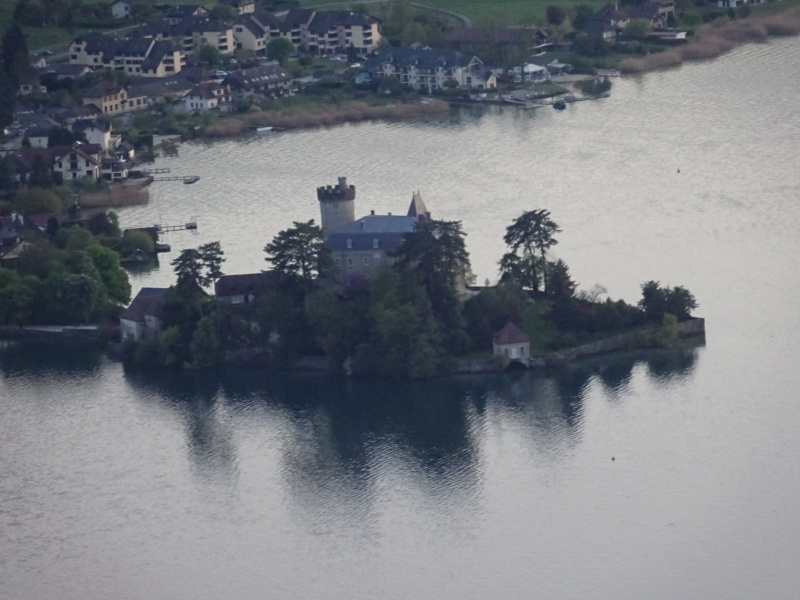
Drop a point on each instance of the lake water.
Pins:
(659, 476)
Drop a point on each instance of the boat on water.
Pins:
(559, 105)
(192, 179)
(262, 129)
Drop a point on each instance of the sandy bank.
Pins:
(296, 118)
(716, 38)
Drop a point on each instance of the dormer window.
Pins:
(349, 244)
(376, 243)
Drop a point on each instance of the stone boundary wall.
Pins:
(85, 332)
(624, 341)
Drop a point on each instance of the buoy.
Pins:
(612, 458)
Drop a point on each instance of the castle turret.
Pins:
(337, 205)
(418, 210)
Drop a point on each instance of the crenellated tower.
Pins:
(337, 205)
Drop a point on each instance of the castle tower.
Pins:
(337, 205)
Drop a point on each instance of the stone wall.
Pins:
(617, 343)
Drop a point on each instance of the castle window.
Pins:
(365, 261)
(349, 243)
(349, 261)
(375, 243)
(337, 261)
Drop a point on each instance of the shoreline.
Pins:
(718, 38)
(299, 118)
(631, 342)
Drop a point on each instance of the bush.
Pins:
(35, 200)
(134, 239)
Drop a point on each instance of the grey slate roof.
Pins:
(331, 19)
(180, 11)
(83, 124)
(422, 58)
(247, 283)
(149, 301)
(387, 229)
(296, 17)
(256, 76)
(157, 54)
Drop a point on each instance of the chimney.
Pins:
(372, 212)
(343, 183)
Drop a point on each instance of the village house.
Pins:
(29, 83)
(39, 137)
(168, 89)
(361, 247)
(82, 160)
(330, 32)
(179, 12)
(97, 131)
(143, 319)
(125, 151)
(138, 56)
(242, 289)
(113, 168)
(269, 80)
(295, 26)
(336, 31)
(209, 33)
(512, 344)
(510, 42)
(255, 30)
(121, 9)
(426, 69)
(549, 61)
(70, 71)
(111, 98)
(657, 12)
(209, 95)
(240, 6)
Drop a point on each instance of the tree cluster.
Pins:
(189, 336)
(409, 319)
(71, 280)
(658, 301)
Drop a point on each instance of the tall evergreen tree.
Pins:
(8, 95)
(15, 54)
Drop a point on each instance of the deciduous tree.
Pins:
(533, 230)
(279, 49)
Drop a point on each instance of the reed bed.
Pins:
(717, 38)
(298, 118)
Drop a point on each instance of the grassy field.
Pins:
(499, 12)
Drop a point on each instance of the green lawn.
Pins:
(500, 12)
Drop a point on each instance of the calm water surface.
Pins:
(125, 484)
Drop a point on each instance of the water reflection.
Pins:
(196, 399)
(337, 438)
(45, 360)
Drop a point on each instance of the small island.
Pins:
(391, 295)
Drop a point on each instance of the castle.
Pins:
(362, 246)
